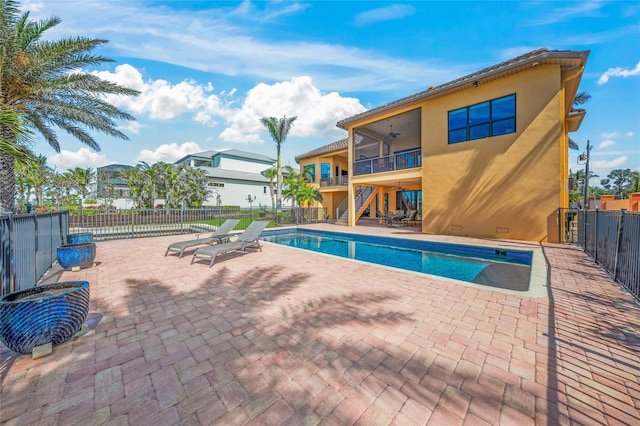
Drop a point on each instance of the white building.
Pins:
(234, 176)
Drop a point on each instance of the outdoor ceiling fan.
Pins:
(392, 133)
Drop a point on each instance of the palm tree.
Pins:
(298, 189)
(617, 181)
(271, 174)
(635, 181)
(308, 195)
(581, 98)
(14, 146)
(279, 130)
(40, 85)
(81, 179)
(192, 186)
(143, 184)
(32, 175)
(166, 181)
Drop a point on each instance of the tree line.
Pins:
(40, 186)
(619, 183)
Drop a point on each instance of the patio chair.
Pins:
(395, 218)
(220, 235)
(249, 238)
(410, 217)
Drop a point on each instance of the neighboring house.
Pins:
(234, 176)
(111, 188)
(485, 155)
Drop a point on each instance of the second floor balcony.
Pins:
(398, 161)
(334, 181)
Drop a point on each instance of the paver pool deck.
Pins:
(286, 336)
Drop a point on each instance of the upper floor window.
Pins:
(310, 171)
(325, 171)
(483, 120)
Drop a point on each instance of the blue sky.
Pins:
(209, 70)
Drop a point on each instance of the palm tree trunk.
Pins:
(7, 175)
(279, 183)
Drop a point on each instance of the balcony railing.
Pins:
(388, 163)
(334, 181)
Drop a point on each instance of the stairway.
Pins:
(364, 195)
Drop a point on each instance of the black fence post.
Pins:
(36, 255)
(595, 233)
(561, 219)
(620, 228)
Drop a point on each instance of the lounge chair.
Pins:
(220, 234)
(249, 238)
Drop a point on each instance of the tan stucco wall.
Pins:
(331, 197)
(506, 186)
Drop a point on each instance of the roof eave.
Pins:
(574, 120)
(564, 58)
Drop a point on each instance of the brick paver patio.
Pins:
(291, 337)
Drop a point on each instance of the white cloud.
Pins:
(216, 41)
(381, 14)
(606, 143)
(618, 72)
(84, 158)
(33, 6)
(610, 164)
(629, 134)
(168, 152)
(159, 98)
(611, 135)
(317, 112)
(560, 14)
(272, 11)
(132, 126)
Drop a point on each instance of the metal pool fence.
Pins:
(136, 223)
(611, 238)
(28, 244)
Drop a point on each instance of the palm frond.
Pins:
(581, 98)
(573, 145)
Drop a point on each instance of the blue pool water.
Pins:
(497, 267)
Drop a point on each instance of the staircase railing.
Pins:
(362, 194)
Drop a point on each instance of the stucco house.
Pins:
(485, 155)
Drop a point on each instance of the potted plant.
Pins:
(50, 313)
(76, 255)
(81, 237)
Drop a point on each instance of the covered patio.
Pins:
(285, 336)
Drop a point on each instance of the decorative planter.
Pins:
(84, 237)
(51, 313)
(72, 255)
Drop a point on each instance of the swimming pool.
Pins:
(496, 267)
